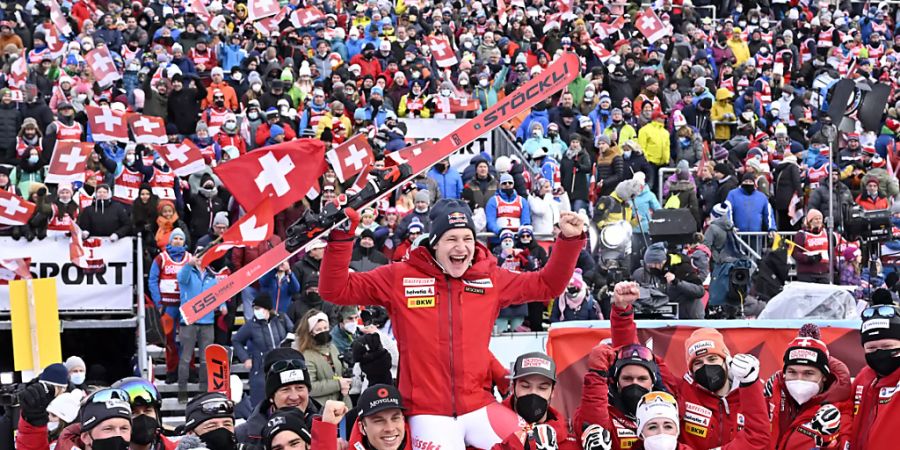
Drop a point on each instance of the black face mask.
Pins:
(710, 376)
(508, 191)
(110, 443)
(219, 439)
(531, 407)
(572, 290)
(375, 103)
(220, 103)
(630, 396)
(143, 429)
(748, 189)
(884, 362)
(322, 338)
(440, 167)
(368, 54)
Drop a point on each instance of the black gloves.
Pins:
(35, 399)
(373, 359)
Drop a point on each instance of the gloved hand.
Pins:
(601, 358)
(352, 222)
(815, 258)
(827, 420)
(596, 437)
(744, 369)
(35, 399)
(769, 386)
(113, 237)
(544, 437)
(373, 359)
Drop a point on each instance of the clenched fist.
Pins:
(625, 293)
(570, 224)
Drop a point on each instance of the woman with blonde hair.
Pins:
(326, 370)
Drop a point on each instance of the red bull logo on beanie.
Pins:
(457, 219)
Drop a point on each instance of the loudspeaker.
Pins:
(673, 226)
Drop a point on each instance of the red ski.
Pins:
(551, 80)
(218, 369)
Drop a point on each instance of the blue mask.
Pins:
(685, 142)
(33, 159)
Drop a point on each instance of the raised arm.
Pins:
(336, 283)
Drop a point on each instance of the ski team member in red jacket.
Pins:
(810, 397)
(533, 380)
(287, 430)
(876, 411)
(720, 400)
(442, 303)
(657, 423)
(145, 402)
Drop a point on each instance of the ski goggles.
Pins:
(107, 395)
(657, 397)
(635, 352)
(140, 392)
(287, 364)
(886, 311)
(217, 407)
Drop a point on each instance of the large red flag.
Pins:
(258, 9)
(305, 17)
(14, 210)
(148, 129)
(255, 227)
(69, 162)
(103, 67)
(184, 158)
(650, 25)
(283, 171)
(410, 155)
(349, 158)
(442, 51)
(106, 124)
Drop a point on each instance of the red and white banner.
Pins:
(69, 162)
(102, 66)
(260, 9)
(14, 210)
(184, 158)
(83, 252)
(148, 130)
(351, 157)
(605, 30)
(283, 171)
(650, 25)
(453, 105)
(269, 25)
(252, 229)
(106, 124)
(58, 18)
(306, 17)
(18, 71)
(442, 51)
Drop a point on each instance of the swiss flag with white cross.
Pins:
(106, 124)
(251, 230)
(14, 210)
(259, 9)
(184, 157)
(650, 25)
(305, 17)
(442, 51)
(285, 172)
(102, 66)
(351, 157)
(69, 162)
(148, 129)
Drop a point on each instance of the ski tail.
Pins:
(218, 369)
(316, 225)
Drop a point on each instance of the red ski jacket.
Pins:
(555, 419)
(442, 324)
(876, 411)
(790, 422)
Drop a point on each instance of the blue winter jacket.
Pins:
(281, 291)
(230, 56)
(192, 282)
(751, 212)
(524, 131)
(449, 183)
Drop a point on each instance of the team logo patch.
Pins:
(804, 354)
(418, 281)
(875, 324)
(696, 430)
(481, 282)
(696, 419)
(702, 345)
(456, 219)
(473, 290)
(421, 291)
(625, 432)
(420, 302)
(627, 442)
(887, 392)
(291, 376)
(740, 419)
(540, 363)
(697, 409)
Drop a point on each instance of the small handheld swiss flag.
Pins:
(305, 17)
(184, 158)
(14, 210)
(106, 124)
(442, 51)
(259, 9)
(58, 18)
(18, 72)
(349, 158)
(650, 25)
(103, 67)
(148, 129)
(599, 50)
(255, 227)
(69, 162)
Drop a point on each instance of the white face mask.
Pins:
(350, 327)
(77, 378)
(129, 158)
(661, 442)
(260, 314)
(445, 92)
(588, 94)
(256, 87)
(483, 82)
(52, 426)
(802, 390)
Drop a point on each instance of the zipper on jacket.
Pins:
(452, 370)
(272, 336)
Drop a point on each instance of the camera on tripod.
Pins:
(868, 226)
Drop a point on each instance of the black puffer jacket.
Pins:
(105, 218)
(787, 182)
(10, 121)
(573, 173)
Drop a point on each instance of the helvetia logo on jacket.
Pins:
(419, 291)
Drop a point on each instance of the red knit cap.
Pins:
(705, 341)
(806, 351)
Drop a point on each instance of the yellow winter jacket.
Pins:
(721, 107)
(739, 48)
(654, 140)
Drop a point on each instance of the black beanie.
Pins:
(879, 325)
(93, 413)
(263, 300)
(195, 413)
(280, 354)
(292, 371)
(449, 213)
(286, 419)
